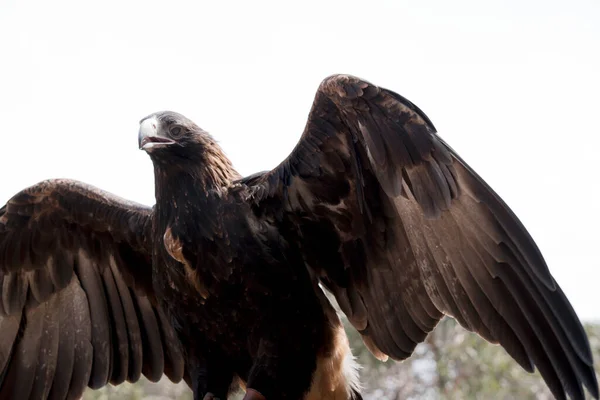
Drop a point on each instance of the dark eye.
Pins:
(175, 131)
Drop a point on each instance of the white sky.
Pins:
(511, 85)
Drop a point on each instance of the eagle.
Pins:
(228, 281)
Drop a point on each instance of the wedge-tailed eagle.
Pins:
(221, 281)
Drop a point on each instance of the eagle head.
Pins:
(169, 132)
(175, 143)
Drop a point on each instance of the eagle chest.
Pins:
(174, 248)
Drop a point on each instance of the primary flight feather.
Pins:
(220, 281)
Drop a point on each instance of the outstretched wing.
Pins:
(401, 230)
(77, 307)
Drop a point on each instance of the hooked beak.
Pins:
(149, 137)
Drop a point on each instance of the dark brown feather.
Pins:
(20, 375)
(120, 339)
(91, 282)
(174, 357)
(83, 349)
(47, 359)
(70, 258)
(9, 326)
(40, 284)
(428, 236)
(133, 328)
(153, 358)
(66, 343)
(14, 292)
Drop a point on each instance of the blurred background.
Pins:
(511, 85)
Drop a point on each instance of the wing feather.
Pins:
(19, 379)
(91, 282)
(174, 361)
(47, 359)
(120, 354)
(77, 308)
(66, 345)
(402, 231)
(9, 326)
(14, 292)
(153, 358)
(134, 370)
(83, 349)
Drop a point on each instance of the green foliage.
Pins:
(451, 364)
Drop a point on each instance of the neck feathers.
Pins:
(193, 172)
(216, 171)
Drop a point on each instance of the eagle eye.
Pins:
(175, 131)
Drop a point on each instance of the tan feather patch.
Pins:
(336, 374)
(175, 249)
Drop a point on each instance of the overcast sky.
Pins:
(511, 85)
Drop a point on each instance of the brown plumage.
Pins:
(68, 256)
(219, 281)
